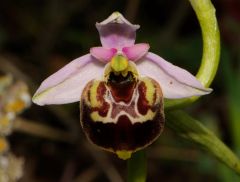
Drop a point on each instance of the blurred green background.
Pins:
(39, 37)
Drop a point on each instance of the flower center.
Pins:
(122, 87)
(128, 73)
(121, 83)
(120, 79)
(119, 63)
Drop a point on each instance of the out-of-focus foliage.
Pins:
(14, 98)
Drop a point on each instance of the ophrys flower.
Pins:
(121, 87)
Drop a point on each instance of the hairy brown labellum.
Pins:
(122, 115)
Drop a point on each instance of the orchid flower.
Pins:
(121, 87)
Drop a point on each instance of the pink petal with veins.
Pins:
(66, 85)
(174, 81)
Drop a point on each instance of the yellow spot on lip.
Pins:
(119, 63)
(93, 94)
(150, 90)
(123, 154)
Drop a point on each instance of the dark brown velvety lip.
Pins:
(123, 135)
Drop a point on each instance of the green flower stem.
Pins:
(205, 12)
(137, 167)
(182, 124)
(187, 127)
